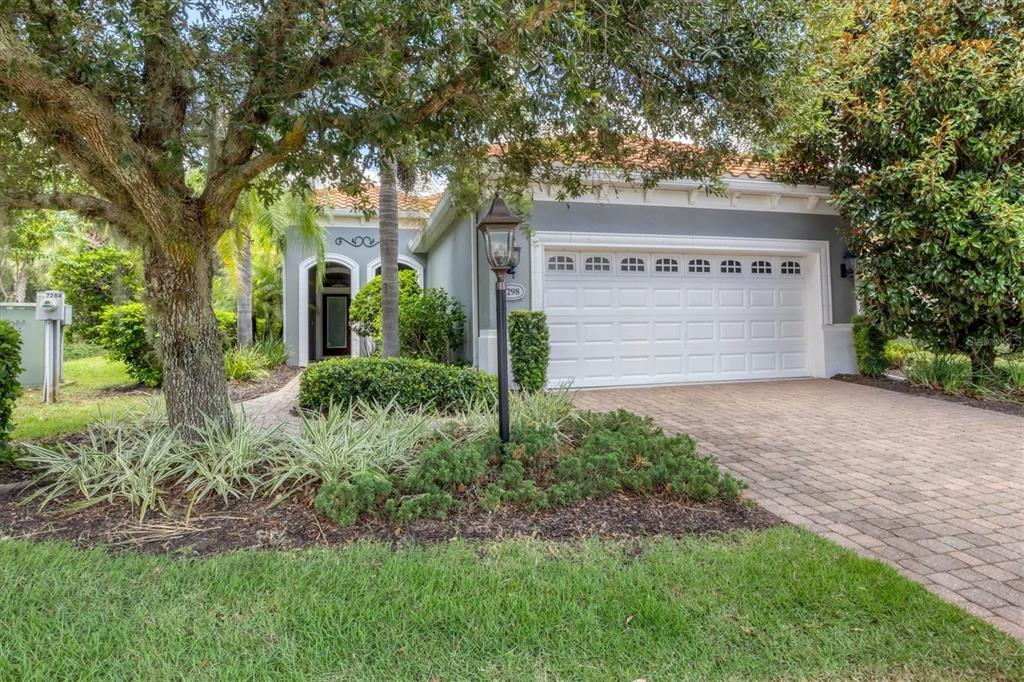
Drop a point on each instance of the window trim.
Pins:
(762, 263)
(796, 268)
(674, 262)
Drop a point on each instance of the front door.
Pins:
(336, 336)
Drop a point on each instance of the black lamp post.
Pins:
(499, 230)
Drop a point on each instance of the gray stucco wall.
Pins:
(618, 218)
(450, 268)
(357, 243)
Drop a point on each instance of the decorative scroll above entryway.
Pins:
(358, 241)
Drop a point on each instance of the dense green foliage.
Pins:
(431, 326)
(127, 335)
(777, 604)
(94, 279)
(253, 362)
(896, 352)
(10, 388)
(589, 455)
(922, 140)
(405, 382)
(529, 348)
(364, 313)
(227, 327)
(868, 347)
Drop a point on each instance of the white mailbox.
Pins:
(50, 305)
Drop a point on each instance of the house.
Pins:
(663, 286)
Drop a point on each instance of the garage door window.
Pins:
(790, 267)
(699, 265)
(561, 264)
(761, 267)
(666, 265)
(731, 267)
(632, 264)
(597, 264)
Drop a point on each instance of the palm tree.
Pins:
(266, 229)
(388, 226)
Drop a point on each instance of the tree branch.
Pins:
(75, 117)
(84, 205)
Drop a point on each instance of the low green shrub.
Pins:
(274, 352)
(10, 388)
(126, 334)
(951, 373)
(896, 352)
(623, 451)
(868, 347)
(529, 348)
(404, 382)
(343, 501)
(1010, 374)
(244, 364)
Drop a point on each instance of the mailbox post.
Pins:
(51, 309)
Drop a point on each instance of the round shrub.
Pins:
(409, 383)
(529, 349)
(364, 313)
(124, 331)
(868, 347)
(10, 388)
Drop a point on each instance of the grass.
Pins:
(83, 399)
(781, 604)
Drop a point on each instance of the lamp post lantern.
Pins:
(848, 267)
(499, 230)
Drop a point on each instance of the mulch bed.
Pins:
(888, 384)
(253, 389)
(244, 525)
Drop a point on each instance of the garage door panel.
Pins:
(613, 328)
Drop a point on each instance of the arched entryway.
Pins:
(324, 329)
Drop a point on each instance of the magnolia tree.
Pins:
(922, 140)
(127, 97)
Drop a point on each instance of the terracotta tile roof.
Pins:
(333, 197)
(644, 155)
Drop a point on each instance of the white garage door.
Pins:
(648, 318)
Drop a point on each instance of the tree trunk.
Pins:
(21, 283)
(243, 297)
(179, 290)
(388, 213)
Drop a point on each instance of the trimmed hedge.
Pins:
(869, 347)
(529, 348)
(10, 388)
(409, 383)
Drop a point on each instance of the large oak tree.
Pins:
(129, 95)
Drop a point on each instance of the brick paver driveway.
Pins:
(932, 487)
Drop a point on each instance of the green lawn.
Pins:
(82, 400)
(781, 604)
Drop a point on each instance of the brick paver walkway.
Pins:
(932, 487)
